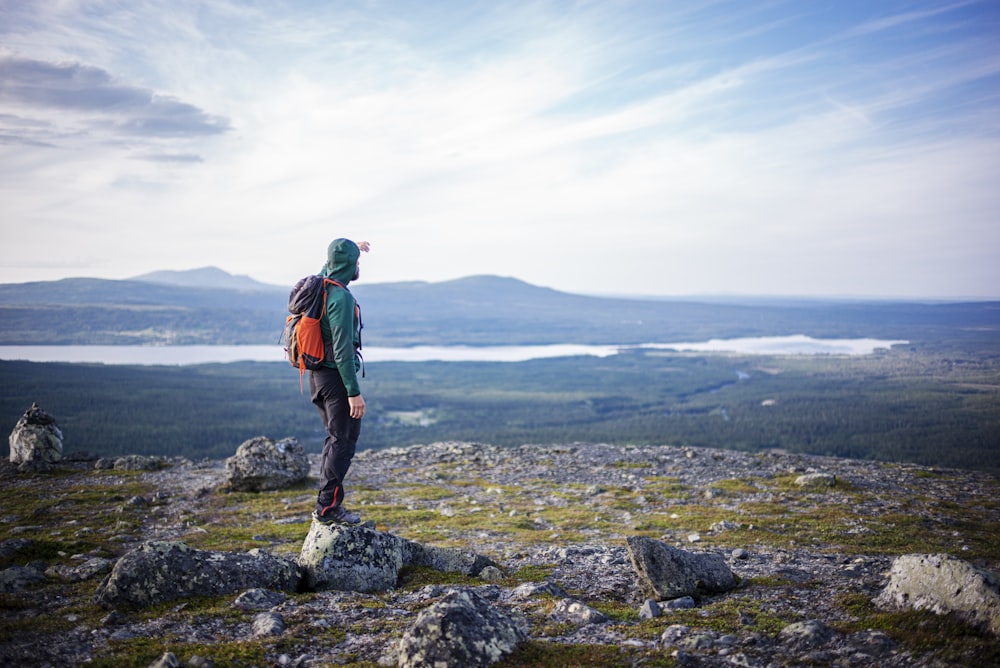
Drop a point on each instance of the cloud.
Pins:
(71, 97)
(646, 146)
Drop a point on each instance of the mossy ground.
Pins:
(68, 513)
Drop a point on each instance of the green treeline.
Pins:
(897, 406)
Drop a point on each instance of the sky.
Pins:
(668, 148)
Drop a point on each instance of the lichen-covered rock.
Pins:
(943, 584)
(35, 439)
(359, 558)
(268, 624)
(448, 560)
(462, 629)
(164, 571)
(667, 572)
(816, 480)
(263, 464)
(18, 578)
(351, 558)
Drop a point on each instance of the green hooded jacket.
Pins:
(342, 325)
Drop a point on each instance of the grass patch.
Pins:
(414, 577)
(948, 638)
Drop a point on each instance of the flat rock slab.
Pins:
(359, 558)
(165, 570)
(666, 572)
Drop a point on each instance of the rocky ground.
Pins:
(810, 558)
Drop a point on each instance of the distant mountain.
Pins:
(206, 277)
(209, 306)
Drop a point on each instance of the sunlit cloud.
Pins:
(626, 147)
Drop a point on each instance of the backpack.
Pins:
(303, 336)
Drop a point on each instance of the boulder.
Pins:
(268, 624)
(359, 558)
(163, 571)
(262, 464)
(462, 629)
(816, 480)
(36, 440)
(18, 578)
(448, 560)
(943, 584)
(666, 572)
(351, 558)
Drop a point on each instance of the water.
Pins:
(184, 355)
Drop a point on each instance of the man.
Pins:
(334, 387)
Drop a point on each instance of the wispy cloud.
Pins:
(725, 146)
(50, 97)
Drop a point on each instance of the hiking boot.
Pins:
(336, 515)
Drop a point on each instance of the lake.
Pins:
(184, 355)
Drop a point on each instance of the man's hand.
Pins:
(364, 246)
(357, 405)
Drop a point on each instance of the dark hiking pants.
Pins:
(328, 393)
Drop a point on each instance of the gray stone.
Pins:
(577, 613)
(263, 464)
(805, 635)
(17, 578)
(682, 603)
(259, 599)
(168, 660)
(667, 572)
(816, 480)
(268, 624)
(90, 568)
(448, 560)
(36, 440)
(462, 629)
(138, 463)
(943, 584)
(163, 571)
(650, 609)
(534, 589)
(351, 558)
(359, 558)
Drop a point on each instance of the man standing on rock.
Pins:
(334, 387)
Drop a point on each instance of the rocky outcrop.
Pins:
(163, 571)
(131, 463)
(803, 598)
(462, 629)
(359, 558)
(262, 464)
(667, 572)
(36, 440)
(943, 584)
(351, 558)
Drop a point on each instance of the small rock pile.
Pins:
(36, 441)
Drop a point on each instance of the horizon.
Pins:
(649, 149)
(720, 297)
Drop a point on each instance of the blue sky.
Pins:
(662, 148)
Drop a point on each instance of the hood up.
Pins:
(341, 261)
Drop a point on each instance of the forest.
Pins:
(933, 406)
(934, 401)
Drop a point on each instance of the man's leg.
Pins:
(330, 396)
